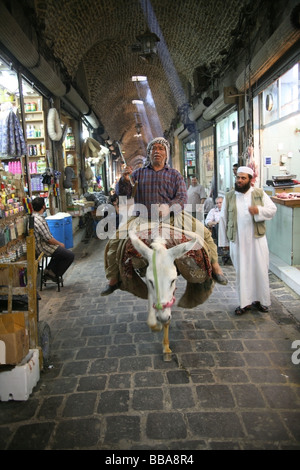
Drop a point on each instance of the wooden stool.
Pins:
(43, 282)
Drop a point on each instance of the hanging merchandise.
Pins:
(89, 175)
(53, 125)
(84, 184)
(70, 140)
(12, 142)
(70, 159)
(56, 183)
(46, 177)
(69, 172)
(27, 205)
(250, 161)
(99, 183)
(93, 149)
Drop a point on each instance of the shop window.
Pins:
(289, 91)
(222, 132)
(227, 157)
(190, 158)
(227, 149)
(276, 137)
(282, 97)
(270, 103)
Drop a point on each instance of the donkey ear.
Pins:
(179, 250)
(140, 246)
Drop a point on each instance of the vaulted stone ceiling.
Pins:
(92, 40)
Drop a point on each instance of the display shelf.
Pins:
(35, 127)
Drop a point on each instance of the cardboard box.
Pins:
(14, 339)
(18, 383)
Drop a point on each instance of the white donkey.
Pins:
(161, 275)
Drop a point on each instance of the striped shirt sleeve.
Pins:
(42, 234)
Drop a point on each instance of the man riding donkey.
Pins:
(160, 190)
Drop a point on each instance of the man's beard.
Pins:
(242, 189)
(157, 163)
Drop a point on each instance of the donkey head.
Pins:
(161, 275)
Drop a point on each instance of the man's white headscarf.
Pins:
(158, 140)
(245, 169)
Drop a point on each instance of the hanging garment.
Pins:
(12, 142)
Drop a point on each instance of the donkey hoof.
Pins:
(167, 357)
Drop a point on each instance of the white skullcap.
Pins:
(245, 169)
(158, 140)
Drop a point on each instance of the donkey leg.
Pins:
(166, 344)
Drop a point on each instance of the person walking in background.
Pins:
(242, 226)
(196, 195)
(61, 258)
(114, 200)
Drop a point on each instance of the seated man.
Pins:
(61, 258)
(213, 217)
(212, 222)
(159, 188)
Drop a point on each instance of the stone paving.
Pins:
(231, 383)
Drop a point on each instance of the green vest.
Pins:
(256, 200)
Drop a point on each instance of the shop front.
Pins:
(24, 157)
(276, 141)
(276, 114)
(51, 156)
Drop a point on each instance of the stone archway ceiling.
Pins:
(93, 39)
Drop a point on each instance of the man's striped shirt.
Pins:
(42, 234)
(165, 186)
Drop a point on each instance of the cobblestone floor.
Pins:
(231, 383)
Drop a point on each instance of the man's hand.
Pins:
(126, 172)
(253, 210)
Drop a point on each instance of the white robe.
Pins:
(249, 255)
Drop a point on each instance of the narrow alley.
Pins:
(233, 382)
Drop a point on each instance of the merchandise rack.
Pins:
(18, 299)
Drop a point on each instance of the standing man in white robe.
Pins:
(242, 227)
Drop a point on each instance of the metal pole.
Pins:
(22, 109)
(215, 191)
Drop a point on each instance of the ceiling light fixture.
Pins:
(148, 42)
(138, 78)
(147, 46)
